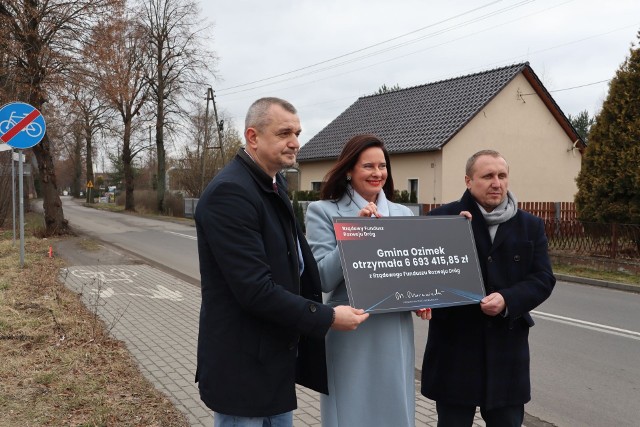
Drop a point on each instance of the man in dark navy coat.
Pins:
(478, 355)
(262, 323)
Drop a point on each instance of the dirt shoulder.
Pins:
(60, 365)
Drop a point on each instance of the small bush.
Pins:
(401, 196)
(298, 212)
(174, 204)
(305, 195)
(146, 201)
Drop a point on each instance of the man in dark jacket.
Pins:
(478, 355)
(262, 324)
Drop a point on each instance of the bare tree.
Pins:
(64, 127)
(5, 185)
(180, 63)
(43, 39)
(119, 55)
(76, 156)
(189, 173)
(7, 68)
(93, 114)
(59, 125)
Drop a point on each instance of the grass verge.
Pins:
(57, 367)
(593, 273)
(140, 211)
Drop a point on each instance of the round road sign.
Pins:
(21, 125)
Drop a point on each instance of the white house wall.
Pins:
(313, 172)
(426, 167)
(543, 166)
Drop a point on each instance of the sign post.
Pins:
(21, 126)
(21, 193)
(89, 191)
(13, 194)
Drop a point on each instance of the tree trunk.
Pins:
(160, 137)
(76, 184)
(55, 224)
(127, 163)
(77, 167)
(53, 215)
(162, 168)
(89, 159)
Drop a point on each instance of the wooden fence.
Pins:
(544, 210)
(559, 211)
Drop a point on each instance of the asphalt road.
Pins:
(585, 347)
(168, 245)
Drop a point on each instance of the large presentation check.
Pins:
(406, 263)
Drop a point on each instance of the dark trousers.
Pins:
(462, 416)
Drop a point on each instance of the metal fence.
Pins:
(614, 241)
(190, 204)
(565, 233)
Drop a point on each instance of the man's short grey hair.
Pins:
(257, 117)
(472, 160)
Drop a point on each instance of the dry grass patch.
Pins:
(58, 369)
(88, 244)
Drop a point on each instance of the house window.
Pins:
(315, 185)
(413, 190)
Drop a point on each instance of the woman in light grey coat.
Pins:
(371, 370)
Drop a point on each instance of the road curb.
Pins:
(600, 283)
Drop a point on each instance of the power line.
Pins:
(486, 66)
(405, 43)
(384, 50)
(368, 47)
(578, 87)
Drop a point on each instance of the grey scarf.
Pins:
(502, 213)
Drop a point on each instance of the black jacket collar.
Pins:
(264, 181)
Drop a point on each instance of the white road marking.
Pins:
(182, 235)
(160, 292)
(112, 281)
(588, 325)
(113, 275)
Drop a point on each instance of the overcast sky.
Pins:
(322, 55)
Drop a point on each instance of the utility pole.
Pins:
(205, 143)
(150, 157)
(219, 126)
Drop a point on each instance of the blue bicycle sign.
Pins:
(21, 125)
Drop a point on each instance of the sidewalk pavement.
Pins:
(156, 316)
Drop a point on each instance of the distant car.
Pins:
(65, 193)
(81, 193)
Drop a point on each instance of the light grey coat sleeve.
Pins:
(322, 240)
